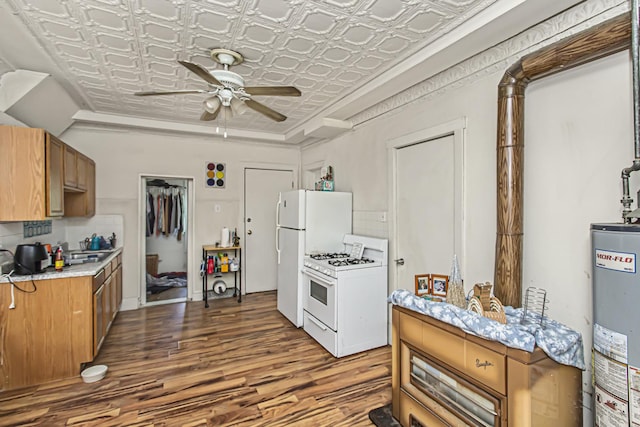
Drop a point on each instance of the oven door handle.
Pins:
(324, 280)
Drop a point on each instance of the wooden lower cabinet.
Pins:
(53, 331)
(442, 376)
(107, 298)
(49, 333)
(98, 320)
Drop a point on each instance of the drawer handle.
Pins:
(318, 324)
(483, 364)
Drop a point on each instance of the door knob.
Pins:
(400, 261)
(249, 232)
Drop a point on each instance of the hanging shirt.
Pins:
(151, 215)
(159, 227)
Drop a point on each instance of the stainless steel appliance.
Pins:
(345, 296)
(307, 222)
(616, 341)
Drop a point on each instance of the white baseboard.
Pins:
(129, 304)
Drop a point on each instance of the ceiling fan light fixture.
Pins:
(238, 107)
(212, 104)
(225, 95)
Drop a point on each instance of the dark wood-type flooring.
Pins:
(234, 364)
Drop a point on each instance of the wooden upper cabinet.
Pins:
(41, 177)
(82, 203)
(54, 169)
(91, 189)
(81, 171)
(29, 170)
(70, 168)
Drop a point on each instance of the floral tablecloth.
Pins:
(560, 343)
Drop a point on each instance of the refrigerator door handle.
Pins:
(278, 243)
(278, 226)
(278, 210)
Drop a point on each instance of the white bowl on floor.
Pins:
(94, 373)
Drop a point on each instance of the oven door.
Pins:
(320, 297)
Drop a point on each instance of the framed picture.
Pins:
(439, 285)
(423, 284)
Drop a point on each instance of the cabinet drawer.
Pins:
(486, 366)
(98, 280)
(107, 270)
(321, 333)
(114, 264)
(446, 347)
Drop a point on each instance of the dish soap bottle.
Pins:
(59, 262)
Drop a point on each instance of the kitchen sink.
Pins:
(89, 256)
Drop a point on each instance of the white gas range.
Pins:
(345, 296)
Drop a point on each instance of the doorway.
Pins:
(261, 191)
(166, 240)
(427, 201)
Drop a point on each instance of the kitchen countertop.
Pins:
(76, 270)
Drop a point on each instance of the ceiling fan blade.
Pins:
(207, 116)
(201, 72)
(175, 92)
(261, 108)
(273, 90)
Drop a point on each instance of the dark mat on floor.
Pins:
(382, 417)
(157, 289)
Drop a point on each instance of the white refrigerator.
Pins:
(306, 222)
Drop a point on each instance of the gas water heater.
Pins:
(616, 329)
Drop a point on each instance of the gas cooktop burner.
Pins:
(329, 255)
(349, 261)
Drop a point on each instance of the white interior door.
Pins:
(427, 200)
(262, 187)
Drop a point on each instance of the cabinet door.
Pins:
(98, 320)
(108, 309)
(114, 295)
(82, 203)
(90, 193)
(70, 167)
(117, 284)
(81, 169)
(54, 151)
(22, 174)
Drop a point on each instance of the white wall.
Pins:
(578, 138)
(123, 155)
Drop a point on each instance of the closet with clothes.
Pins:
(166, 240)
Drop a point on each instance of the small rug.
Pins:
(157, 289)
(382, 417)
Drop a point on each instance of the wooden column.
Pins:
(597, 42)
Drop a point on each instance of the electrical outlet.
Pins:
(217, 208)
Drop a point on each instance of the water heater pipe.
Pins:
(594, 43)
(635, 57)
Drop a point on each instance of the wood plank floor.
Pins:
(230, 365)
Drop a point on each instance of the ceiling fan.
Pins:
(227, 88)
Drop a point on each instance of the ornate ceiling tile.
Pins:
(106, 50)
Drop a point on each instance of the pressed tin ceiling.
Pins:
(344, 55)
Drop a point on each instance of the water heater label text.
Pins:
(619, 261)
